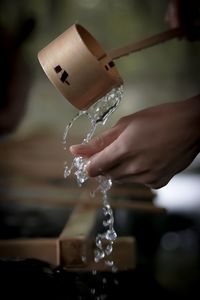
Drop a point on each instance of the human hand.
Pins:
(185, 15)
(148, 147)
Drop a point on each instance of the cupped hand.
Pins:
(147, 147)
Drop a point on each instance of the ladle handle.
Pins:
(146, 43)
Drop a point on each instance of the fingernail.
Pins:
(73, 148)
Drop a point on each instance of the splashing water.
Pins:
(97, 114)
(105, 240)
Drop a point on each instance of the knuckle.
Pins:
(139, 166)
(118, 149)
(156, 183)
(98, 142)
(121, 149)
(135, 168)
(152, 180)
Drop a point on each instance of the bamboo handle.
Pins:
(146, 43)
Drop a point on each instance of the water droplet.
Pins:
(107, 222)
(67, 172)
(116, 282)
(114, 269)
(94, 272)
(83, 258)
(98, 255)
(108, 249)
(109, 263)
(93, 291)
(111, 235)
(104, 280)
(99, 241)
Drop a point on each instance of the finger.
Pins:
(145, 179)
(97, 144)
(128, 167)
(172, 15)
(137, 178)
(106, 159)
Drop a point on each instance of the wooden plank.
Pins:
(37, 156)
(43, 249)
(124, 255)
(81, 221)
(77, 246)
(79, 254)
(74, 237)
(70, 195)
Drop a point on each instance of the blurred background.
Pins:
(34, 114)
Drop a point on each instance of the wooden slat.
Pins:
(76, 243)
(74, 237)
(43, 249)
(124, 255)
(29, 191)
